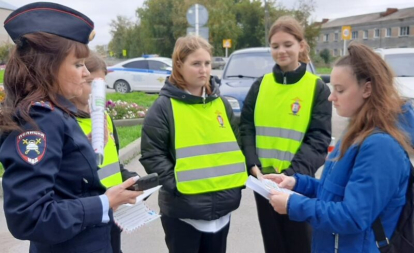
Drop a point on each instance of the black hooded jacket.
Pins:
(158, 155)
(315, 143)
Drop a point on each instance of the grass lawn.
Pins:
(1, 170)
(1, 75)
(323, 70)
(128, 134)
(140, 98)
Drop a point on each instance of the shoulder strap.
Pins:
(380, 238)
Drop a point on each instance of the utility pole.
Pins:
(266, 22)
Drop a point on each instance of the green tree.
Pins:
(5, 49)
(250, 19)
(303, 14)
(157, 26)
(119, 31)
(326, 56)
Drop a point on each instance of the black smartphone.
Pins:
(144, 183)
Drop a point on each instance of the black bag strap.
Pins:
(380, 238)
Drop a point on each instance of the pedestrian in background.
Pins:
(52, 193)
(366, 176)
(286, 128)
(111, 172)
(189, 138)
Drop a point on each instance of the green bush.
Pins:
(326, 56)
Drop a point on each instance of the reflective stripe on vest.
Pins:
(208, 156)
(282, 115)
(109, 172)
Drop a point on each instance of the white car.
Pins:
(139, 74)
(401, 60)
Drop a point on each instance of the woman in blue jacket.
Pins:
(366, 176)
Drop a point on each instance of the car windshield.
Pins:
(249, 65)
(402, 64)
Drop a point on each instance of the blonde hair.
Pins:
(185, 46)
(291, 26)
(381, 109)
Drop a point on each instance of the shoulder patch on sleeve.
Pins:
(43, 104)
(31, 146)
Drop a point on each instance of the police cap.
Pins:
(50, 18)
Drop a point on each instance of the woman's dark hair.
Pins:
(31, 75)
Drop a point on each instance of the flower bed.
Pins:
(124, 110)
(2, 94)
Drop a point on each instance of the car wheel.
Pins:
(122, 86)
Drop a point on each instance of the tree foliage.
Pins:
(162, 22)
(325, 55)
(5, 49)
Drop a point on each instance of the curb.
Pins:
(132, 150)
(128, 122)
(125, 155)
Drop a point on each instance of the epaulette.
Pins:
(43, 104)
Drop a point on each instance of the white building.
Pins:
(5, 10)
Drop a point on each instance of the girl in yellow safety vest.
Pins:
(286, 128)
(189, 139)
(97, 68)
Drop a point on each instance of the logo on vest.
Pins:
(31, 146)
(220, 119)
(295, 106)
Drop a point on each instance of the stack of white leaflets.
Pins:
(132, 217)
(264, 186)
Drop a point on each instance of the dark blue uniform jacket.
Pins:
(51, 186)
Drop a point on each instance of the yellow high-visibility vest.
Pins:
(208, 158)
(109, 171)
(281, 117)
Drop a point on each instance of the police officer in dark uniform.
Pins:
(52, 193)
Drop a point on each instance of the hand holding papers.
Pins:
(131, 217)
(265, 186)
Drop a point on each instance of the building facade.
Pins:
(390, 29)
(5, 10)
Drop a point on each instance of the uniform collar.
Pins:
(65, 103)
(290, 77)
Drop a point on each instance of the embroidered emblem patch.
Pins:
(31, 146)
(295, 107)
(220, 119)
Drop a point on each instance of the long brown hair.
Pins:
(185, 46)
(31, 74)
(291, 26)
(381, 109)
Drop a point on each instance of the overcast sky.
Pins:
(103, 11)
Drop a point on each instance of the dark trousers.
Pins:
(181, 237)
(116, 238)
(281, 235)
